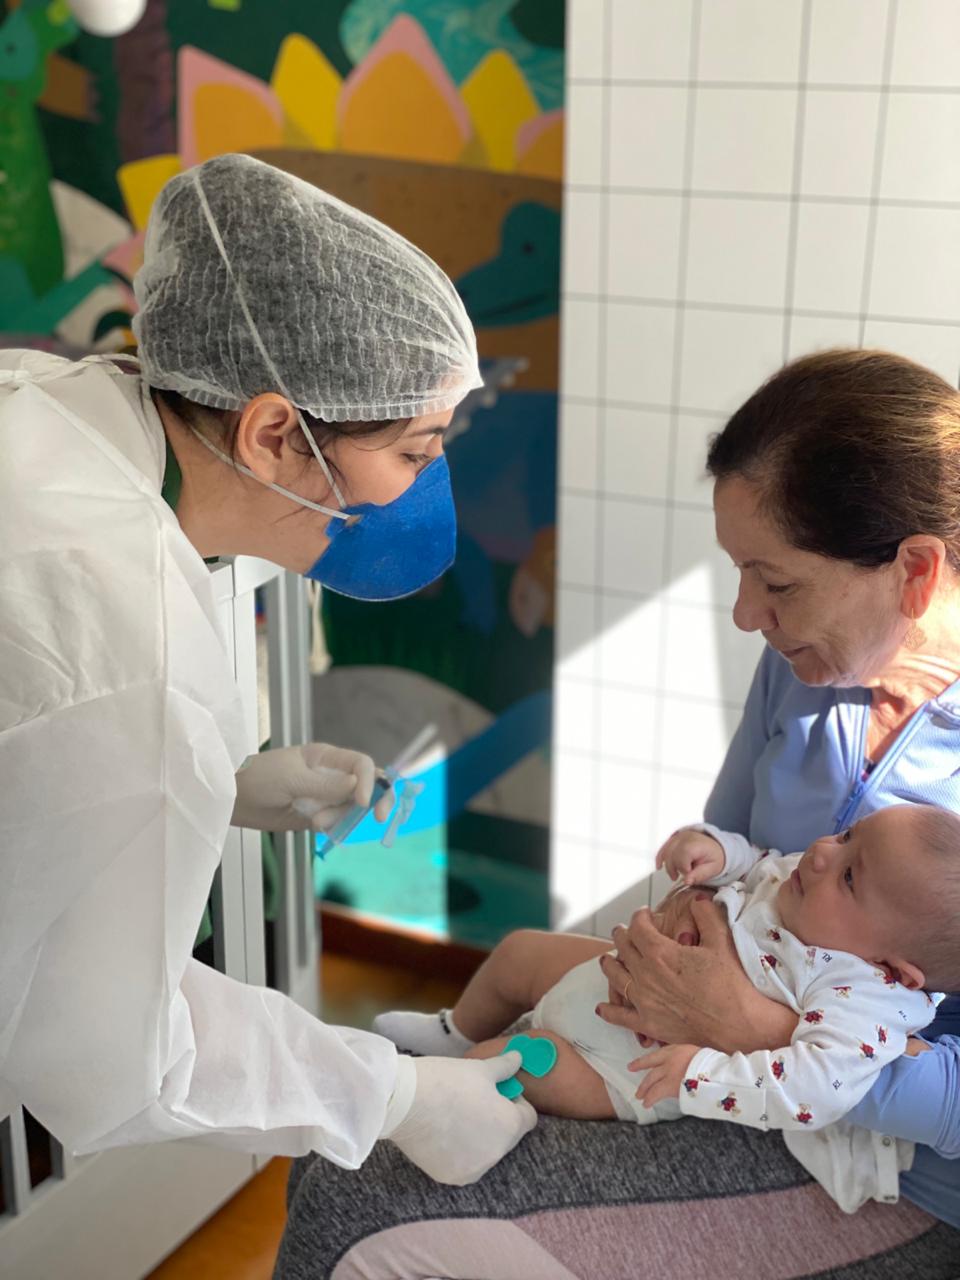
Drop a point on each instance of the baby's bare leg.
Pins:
(572, 1089)
(519, 970)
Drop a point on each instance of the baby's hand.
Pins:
(693, 855)
(666, 1070)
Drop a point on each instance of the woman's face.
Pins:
(375, 468)
(835, 623)
(379, 468)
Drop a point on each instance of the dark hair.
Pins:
(201, 417)
(852, 452)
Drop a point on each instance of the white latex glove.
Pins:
(447, 1117)
(299, 788)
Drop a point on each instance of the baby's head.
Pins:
(887, 890)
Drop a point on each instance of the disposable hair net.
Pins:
(255, 281)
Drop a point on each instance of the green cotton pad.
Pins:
(511, 1088)
(538, 1057)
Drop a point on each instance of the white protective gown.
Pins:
(120, 731)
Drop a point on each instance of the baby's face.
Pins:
(850, 891)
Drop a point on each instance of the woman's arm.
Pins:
(691, 995)
(731, 799)
(918, 1098)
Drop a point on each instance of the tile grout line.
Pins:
(757, 309)
(601, 385)
(793, 229)
(605, 403)
(675, 397)
(642, 597)
(621, 686)
(781, 86)
(768, 197)
(637, 499)
(877, 176)
(653, 766)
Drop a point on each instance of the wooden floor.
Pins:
(240, 1241)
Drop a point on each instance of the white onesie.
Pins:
(854, 1019)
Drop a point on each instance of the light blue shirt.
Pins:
(793, 772)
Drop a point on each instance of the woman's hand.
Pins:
(690, 995)
(674, 916)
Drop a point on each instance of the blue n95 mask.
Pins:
(378, 552)
(385, 553)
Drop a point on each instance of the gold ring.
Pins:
(626, 988)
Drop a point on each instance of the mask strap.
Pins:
(278, 488)
(218, 241)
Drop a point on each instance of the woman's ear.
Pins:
(921, 558)
(263, 431)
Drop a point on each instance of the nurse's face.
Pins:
(835, 623)
(374, 468)
(379, 468)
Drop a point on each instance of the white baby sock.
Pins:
(430, 1034)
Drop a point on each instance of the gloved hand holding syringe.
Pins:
(406, 793)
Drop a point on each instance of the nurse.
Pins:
(299, 363)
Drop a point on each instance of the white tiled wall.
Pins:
(747, 180)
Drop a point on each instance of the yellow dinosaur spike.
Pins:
(141, 180)
(540, 148)
(397, 110)
(307, 87)
(228, 118)
(500, 102)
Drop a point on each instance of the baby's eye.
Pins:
(845, 837)
(848, 878)
(777, 591)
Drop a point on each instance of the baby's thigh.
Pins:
(557, 953)
(571, 1089)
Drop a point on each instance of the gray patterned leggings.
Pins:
(603, 1200)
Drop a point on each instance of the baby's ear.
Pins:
(908, 975)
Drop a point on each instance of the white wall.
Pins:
(747, 180)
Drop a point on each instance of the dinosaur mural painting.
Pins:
(530, 31)
(523, 281)
(31, 251)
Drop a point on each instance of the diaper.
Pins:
(568, 1009)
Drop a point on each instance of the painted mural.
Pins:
(444, 119)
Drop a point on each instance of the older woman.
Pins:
(838, 498)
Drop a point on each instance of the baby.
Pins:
(848, 935)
